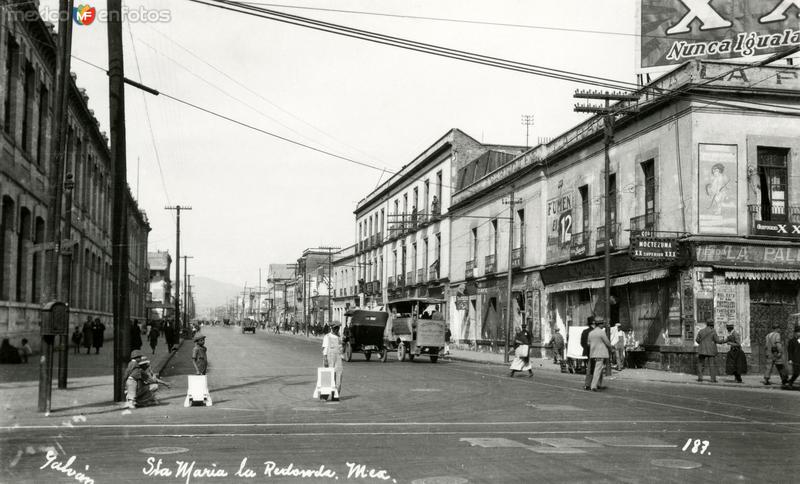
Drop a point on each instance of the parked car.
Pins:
(363, 333)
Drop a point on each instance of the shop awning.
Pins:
(615, 281)
(763, 275)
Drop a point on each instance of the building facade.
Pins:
(161, 303)
(403, 226)
(705, 221)
(345, 283)
(27, 57)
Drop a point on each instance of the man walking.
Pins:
(793, 352)
(774, 351)
(557, 342)
(585, 345)
(618, 345)
(599, 352)
(707, 339)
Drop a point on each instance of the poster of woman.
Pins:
(717, 198)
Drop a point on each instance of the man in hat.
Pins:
(129, 383)
(600, 353)
(557, 342)
(332, 355)
(707, 339)
(774, 352)
(143, 385)
(585, 345)
(199, 358)
(793, 352)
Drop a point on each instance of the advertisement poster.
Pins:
(559, 226)
(717, 197)
(676, 31)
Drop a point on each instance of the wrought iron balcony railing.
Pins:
(410, 278)
(390, 283)
(774, 213)
(420, 276)
(644, 223)
(376, 287)
(433, 272)
(600, 245)
(517, 256)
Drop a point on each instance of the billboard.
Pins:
(559, 226)
(675, 31)
(717, 200)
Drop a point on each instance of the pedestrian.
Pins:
(736, 361)
(152, 337)
(168, 334)
(447, 336)
(136, 335)
(77, 337)
(25, 350)
(9, 354)
(332, 356)
(142, 385)
(618, 346)
(587, 381)
(557, 343)
(707, 339)
(774, 351)
(600, 353)
(793, 353)
(87, 334)
(199, 357)
(98, 328)
(522, 348)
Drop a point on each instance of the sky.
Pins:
(257, 200)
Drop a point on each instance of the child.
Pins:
(77, 337)
(25, 351)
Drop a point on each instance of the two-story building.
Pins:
(403, 228)
(345, 283)
(705, 224)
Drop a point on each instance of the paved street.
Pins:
(453, 421)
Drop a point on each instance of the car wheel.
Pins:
(401, 352)
(348, 352)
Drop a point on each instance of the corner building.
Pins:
(705, 220)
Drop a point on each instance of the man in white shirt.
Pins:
(618, 345)
(332, 355)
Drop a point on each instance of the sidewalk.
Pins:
(89, 384)
(750, 381)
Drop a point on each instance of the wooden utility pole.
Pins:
(609, 114)
(509, 306)
(66, 281)
(178, 327)
(527, 120)
(185, 285)
(56, 192)
(119, 219)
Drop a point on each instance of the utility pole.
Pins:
(330, 280)
(56, 192)
(509, 306)
(66, 281)
(185, 284)
(178, 209)
(527, 120)
(119, 219)
(609, 114)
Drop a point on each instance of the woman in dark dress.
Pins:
(87, 334)
(736, 361)
(98, 328)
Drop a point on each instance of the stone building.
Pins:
(705, 220)
(28, 60)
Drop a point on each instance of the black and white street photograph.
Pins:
(399, 241)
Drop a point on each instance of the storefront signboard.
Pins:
(717, 197)
(777, 229)
(675, 31)
(787, 257)
(654, 248)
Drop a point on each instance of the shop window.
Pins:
(772, 176)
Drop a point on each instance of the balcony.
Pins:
(516, 257)
(436, 209)
(378, 239)
(600, 245)
(370, 288)
(433, 272)
(400, 281)
(390, 283)
(420, 276)
(644, 225)
(469, 273)
(579, 245)
(410, 278)
(775, 220)
(376, 287)
(490, 264)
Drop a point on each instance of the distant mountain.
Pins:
(212, 293)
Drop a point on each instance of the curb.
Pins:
(159, 366)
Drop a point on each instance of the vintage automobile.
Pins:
(363, 333)
(249, 326)
(415, 328)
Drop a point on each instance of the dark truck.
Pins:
(363, 333)
(249, 326)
